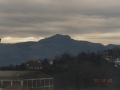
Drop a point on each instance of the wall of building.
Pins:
(40, 83)
(10, 82)
(10, 78)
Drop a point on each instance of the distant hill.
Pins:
(46, 48)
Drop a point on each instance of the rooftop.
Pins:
(11, 75)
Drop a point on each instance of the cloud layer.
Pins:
(93, 20)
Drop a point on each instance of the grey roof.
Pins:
(12, 74)
(18, 75)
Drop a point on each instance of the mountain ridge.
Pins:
(46, 48)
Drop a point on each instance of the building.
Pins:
(105, 52)
(34, 65)
(51, 61)
(29, 79)
(107, 57)
(117, 61)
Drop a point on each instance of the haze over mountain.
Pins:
(46, 48)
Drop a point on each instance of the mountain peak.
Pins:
(61, 36)
(57, 38)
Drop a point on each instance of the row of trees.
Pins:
(20, 67)
(79, 71)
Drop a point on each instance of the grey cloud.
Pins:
(48, 17)
(104, 37)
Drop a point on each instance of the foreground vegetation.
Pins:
(80, 72)
(84, 71)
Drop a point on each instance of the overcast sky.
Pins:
(91, 20)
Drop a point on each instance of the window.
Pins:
(25, 83)
(51, 81)
(46, 88)
(6, 83)
(46, 82)
(38, 83)
(34, 83)
(37, 67)
(40, 67)
(29, 83)
(42, 82)
(18, 83)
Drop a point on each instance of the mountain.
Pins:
(46, 48)
(57, 39)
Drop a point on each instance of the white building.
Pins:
(51, 61)
(117, 61)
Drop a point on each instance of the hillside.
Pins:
(46, 48)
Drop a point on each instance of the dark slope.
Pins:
(46, 48)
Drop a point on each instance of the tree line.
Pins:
(80, 71)
(83, 71)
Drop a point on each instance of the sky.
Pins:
(31, 20)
